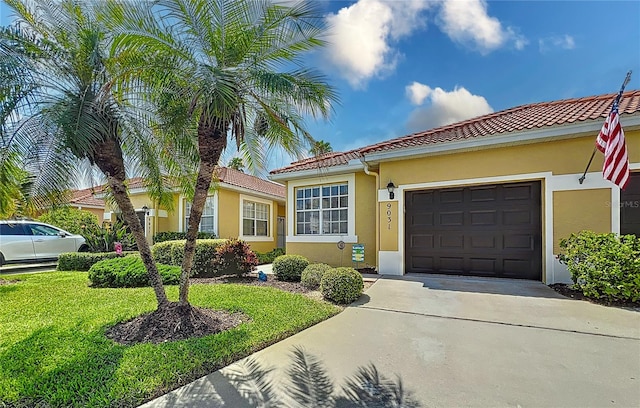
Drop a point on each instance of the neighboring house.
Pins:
(490, 196)
(242, 206)
(86, 200)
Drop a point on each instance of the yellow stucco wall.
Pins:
(327, 253)
(366, 203)
(559, 157)
(228, 214)
(389, 226)
(98, 212)
(574, 211)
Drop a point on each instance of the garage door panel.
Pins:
(484, 217)
(451, 196)
(483, 194)
(421, 241)
(493, 230)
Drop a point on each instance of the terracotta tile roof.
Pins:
(234, 178)
(240, 179)
(517, 119)
(85, 197)
(324, 160)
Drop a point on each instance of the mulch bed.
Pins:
(367, 270)
(295, 287)
(570, 292)
(174, 322)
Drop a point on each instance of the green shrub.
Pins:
(102, 239)
(71, 220)
(269, 257)
(207, 262)
(342, 285)
(605, 266)
(129, 272)
(234, 257)
(174, 236)
(289, 267)
(83, 261)
(312, 275)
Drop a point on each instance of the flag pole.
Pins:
(615, 103)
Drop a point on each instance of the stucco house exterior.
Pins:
(86, 199)
(490, 196)
(243, 206)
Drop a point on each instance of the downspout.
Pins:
(376, 175)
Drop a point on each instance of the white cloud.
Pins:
(417, 92)
(565, 42)
(468, 23)
(443, 107)
(362, 36)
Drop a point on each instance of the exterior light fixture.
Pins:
(145, 209)
(390, 188)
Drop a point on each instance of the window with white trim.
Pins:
(255, 219)
(207, 222)
(322, 210)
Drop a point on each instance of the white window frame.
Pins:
(254, 238)
(183, 213)
(292, 186)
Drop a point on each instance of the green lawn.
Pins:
(53, 350)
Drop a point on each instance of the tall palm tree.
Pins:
(225, 70)
(320, 147)
(60, 106)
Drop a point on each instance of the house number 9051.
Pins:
(388, 215)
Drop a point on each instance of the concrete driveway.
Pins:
(457, 342)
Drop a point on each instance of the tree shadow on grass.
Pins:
(60, 368)
(308, 384)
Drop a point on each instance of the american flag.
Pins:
(611, 142)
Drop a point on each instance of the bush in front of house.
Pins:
(234, 257)
(603, 266)
(342, 285)
(269, 257)
(71, 220)
(83, 261)
(289, 267)
(129, 272)
(312, 275)
(162, 252)
(175, 235)
(172, 253)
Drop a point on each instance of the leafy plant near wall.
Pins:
(71, 220)
(102, 239)
(175, 235)
(234, 256)
(269, 257)
(603, 266)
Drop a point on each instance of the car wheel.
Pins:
(83, 248)
(1, 259)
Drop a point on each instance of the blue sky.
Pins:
(409, 65)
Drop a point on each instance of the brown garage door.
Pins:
(488, 230)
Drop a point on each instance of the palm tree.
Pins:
(60, 107)
(236, 164)
(225, 70)
(320, 147)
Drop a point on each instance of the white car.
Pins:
(32, 241)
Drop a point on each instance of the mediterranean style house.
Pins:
(243, 206)
(490, 196)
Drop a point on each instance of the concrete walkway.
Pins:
(456, 342)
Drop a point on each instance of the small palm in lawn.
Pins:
(221, 70)
(61, 107)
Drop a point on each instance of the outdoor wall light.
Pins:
(390, 188)
(145, 209)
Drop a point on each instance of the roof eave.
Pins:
(352, 166)
(503, 139)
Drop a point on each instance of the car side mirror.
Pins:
(62, 234)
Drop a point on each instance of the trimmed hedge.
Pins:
(129, 272)
(175, 236)
(213, 257)
(603, 266)
(342, 285)
(83, 261)
(312, 275)
(289, 267)
(269, 257)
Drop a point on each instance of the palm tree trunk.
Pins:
(212, 139)
(108, 158)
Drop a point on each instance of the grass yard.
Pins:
(53, 351)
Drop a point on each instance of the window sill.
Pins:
(255, 239)
(351, 239)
